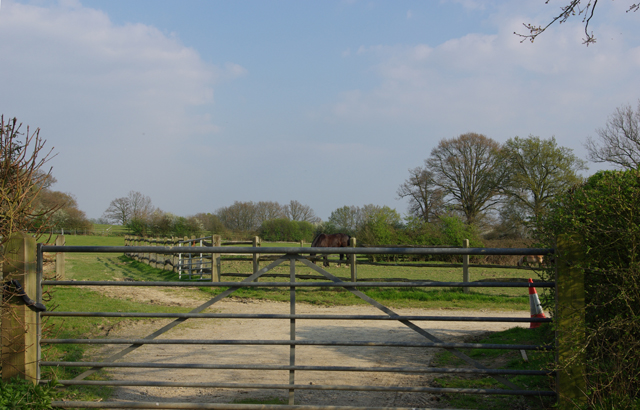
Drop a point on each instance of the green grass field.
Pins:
(86, 266)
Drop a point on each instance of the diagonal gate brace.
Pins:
(407, 323)
(176, 322)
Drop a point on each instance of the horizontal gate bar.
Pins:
(299, 316)
(155, 365)
(298, 250)
(294, 343)
(425, 284)
(211, 406)
(304, 387)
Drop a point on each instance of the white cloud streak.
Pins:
(106, 95)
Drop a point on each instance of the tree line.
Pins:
(469, 186)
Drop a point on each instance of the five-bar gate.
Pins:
(289, 256)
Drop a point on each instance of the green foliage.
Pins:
(18, 394)
(285, 230)
(539, 170)
(603, 212)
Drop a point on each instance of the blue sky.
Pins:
(198, 104)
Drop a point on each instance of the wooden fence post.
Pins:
(60, 274)
(352, 261)
(256, 256)
(174, 256)
(19, 322)
(570, 323)
(216, 240)
(465, 266)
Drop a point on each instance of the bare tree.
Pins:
(140, 205)
(619, 140)
(133, 206)
(267, 211)
(573, 8)
(426, 199)
(118, 211)
(22, 178)
(470, 172)
(295, 211)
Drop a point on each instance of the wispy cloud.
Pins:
(493, 82)
(101, 91)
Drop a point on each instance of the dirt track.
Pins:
(246, 329)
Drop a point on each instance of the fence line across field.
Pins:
(200, 258)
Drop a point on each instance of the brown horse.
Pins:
(336, 240)
(531, 259)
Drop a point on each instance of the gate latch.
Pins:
(19, 291)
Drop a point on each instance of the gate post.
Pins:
(216, 241)
(256, 256)
(19, 322)
(570, 323)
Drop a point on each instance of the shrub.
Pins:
(282, 229)
(604, 213)
(18, 394)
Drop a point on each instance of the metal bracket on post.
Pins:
(19, 292)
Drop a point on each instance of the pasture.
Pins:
(117, 267)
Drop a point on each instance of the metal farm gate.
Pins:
(290, 256)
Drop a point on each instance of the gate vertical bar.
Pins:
(465, 266)
(39, 274)
(256, 256)
(60, 258)
(292, 329)
(352, 260)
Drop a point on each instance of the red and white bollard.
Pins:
(534, 302)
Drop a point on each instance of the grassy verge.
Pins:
(75, 299)
(505, 359)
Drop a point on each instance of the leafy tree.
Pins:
(239, 217)
(344, 220)
(619, 140)
(573, 8)
(283, 229)
(68, 215)
(426, 198)
(470, 172)
(538, 170)
(211, 223)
